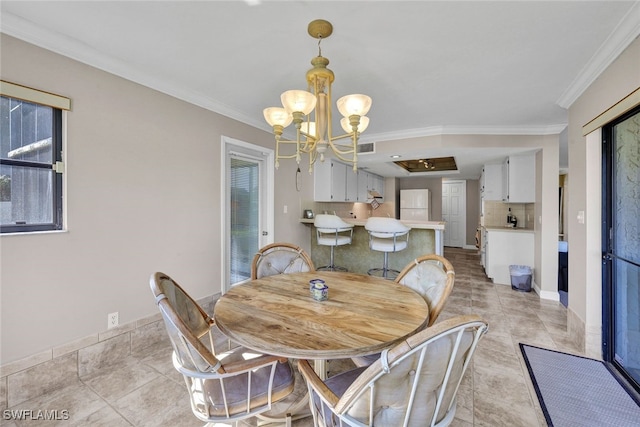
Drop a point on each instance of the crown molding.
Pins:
(626, 32)
(17, 27)
(22, 29)
(465, 130)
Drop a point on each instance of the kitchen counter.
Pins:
(505, 246)
(424, 225)
(425, 237)
(510, 229)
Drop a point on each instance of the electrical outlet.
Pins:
(112, 320)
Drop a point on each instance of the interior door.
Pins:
(621, 245)
(454, 213)
(247, 208)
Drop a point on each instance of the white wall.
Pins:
(142, 195)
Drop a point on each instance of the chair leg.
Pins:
(331, 266)
(385, 270)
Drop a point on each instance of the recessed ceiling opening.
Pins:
(436, 164)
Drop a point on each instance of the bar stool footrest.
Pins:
(383, 272)
(331, 268)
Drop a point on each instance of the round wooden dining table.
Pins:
(362, 315)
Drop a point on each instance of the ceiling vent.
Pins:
(367, 148)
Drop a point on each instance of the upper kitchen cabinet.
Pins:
(363, 189)
(351, 182)
(519, 179)
(336, 182)
(329, 181)
(491, 182)
(375, 187)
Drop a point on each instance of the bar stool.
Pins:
(332, 231)
(386, 235)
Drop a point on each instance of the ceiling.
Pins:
(431, 67)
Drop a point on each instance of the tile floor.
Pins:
(146, 390)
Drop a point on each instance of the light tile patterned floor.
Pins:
(147, 391)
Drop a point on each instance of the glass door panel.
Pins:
(244, 216)
(622, 237)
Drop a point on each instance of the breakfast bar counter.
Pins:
(425, 237)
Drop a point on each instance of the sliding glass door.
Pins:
(621, 245)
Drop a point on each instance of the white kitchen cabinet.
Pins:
(376, 184)
(363, 190)
(491, 182)
(504, 248)
(519, 177)
(351, 184)
(329, 181)
(339, 181)
(334, 181)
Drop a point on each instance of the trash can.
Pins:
(520, 277)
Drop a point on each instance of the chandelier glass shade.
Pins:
(310, 112)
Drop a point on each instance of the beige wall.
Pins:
(142, 194)
(616, 82)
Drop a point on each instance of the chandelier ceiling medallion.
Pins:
(314, 132)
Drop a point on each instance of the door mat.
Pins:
(578, 391)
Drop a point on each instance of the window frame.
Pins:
(55, 167)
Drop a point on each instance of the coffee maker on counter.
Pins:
(511, 219)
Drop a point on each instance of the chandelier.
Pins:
(314, 133)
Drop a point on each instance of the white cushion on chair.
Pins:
(331, 221)
(392, 389)
(387, 245)
(384, 233)
(329, 228)
(281, 261)
(332, 240)
(384, 225)
(428, 279)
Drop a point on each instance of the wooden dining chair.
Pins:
(432, 276)
(223, 387)
(280, 258)
(413, 384)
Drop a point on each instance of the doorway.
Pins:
(621, 245)
(454, 213)
(247, 207)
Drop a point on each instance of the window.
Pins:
(30, 165)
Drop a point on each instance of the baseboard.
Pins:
(50, 370)
(548, 295)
